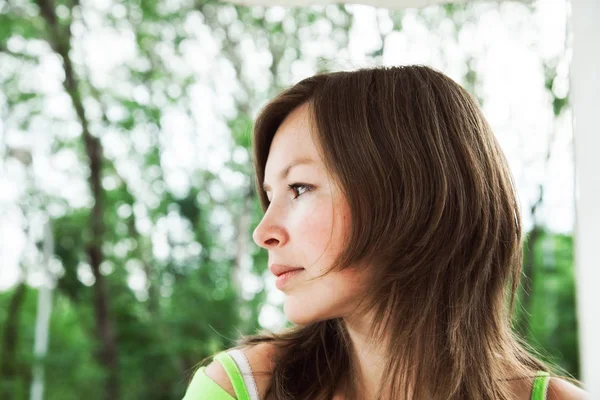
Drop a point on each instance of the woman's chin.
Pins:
(302, 313)
(299, 314)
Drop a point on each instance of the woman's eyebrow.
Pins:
(285, 172)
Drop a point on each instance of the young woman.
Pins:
(392, 223)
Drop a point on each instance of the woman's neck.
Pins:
(368, 358)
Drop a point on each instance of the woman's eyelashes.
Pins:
(297, 188)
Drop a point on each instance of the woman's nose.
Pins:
(268, 235)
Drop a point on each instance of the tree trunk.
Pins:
(42, 319)
(60, 40)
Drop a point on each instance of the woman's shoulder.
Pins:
(260, 357)
(561, 389)
(557, 389)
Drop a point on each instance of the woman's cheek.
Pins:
(316, 226)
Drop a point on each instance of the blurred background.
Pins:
(126, 190)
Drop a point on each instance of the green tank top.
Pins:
(204, 388)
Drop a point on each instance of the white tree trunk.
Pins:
(42, 322)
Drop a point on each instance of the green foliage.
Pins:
(241, 130)
(69, 249)
(18, 25)
(553, 321)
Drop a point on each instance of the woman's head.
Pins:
(409, 180)
(409, 213)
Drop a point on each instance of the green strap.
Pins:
(235, 376)
(540, 385)
(204, 388)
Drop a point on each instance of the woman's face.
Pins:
(306, 226)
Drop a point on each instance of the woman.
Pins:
(392, 223)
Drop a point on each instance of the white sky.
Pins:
(507, 43)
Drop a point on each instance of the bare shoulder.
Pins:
(260, 358)
(560, 389)
(216, 372)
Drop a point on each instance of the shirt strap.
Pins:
(244, 365)
(540, 385)
(235, 376)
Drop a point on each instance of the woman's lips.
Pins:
(278, 269)
(284, 279)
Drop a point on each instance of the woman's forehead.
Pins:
(293, 141)
(284, 172)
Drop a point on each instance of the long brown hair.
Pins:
(434, 211)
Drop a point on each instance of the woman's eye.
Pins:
(299, 188)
